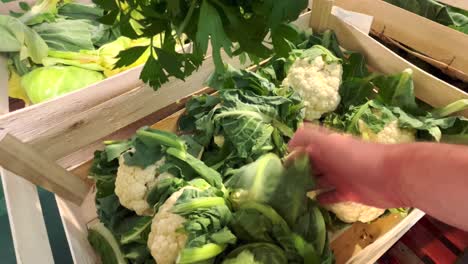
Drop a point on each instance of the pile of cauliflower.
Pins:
(317, 82)
(132, 186)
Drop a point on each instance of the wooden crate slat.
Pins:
(463, 4)
(35, 120)
(86, 127)
(26, 220)
(24, 209)
(427, 88)
(423, 243)
(31, 165)
(74, 223)
(423, 35)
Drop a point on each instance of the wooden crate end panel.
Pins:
(421, 34)
(428, 88)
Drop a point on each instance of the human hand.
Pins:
(356, 169)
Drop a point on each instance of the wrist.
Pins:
(396, 166)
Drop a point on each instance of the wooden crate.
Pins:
(66, 131)
(436, 44)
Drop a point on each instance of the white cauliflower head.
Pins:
(350, 212)
(133, 183)
(391, 134)
(318, 83)
(166, 241)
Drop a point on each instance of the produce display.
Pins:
(441, 13)
(223, 188)
(56, 47)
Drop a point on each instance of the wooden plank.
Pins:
(374, 251)
(24, 161)
(432, 39)
(463, 4)
(30, 238)
(74, 223)
(444, 67)
(26, 220)
(85, 128)
(321, 11)
(427, 88)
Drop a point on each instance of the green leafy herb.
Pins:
(232, 27)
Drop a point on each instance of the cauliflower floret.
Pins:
(165, 241)
(133, 183)
(391, 134)
(350, 212)
(317, 83)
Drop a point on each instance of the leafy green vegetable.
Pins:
(66, 35)
(222, 23)
(46, 83)
(19, 38)
(257, 222)
(256, 253)
(207, 217)
(251, 114)
(104, 242)
(441, 13)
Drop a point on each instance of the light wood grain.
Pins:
(424, 36)
(374, 251)
(444, 67)
(463, 4)
(427, 88)
(321, 11)
(30, 239)
(25, 162)
(74, 223)
(27, 224)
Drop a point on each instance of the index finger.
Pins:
(307, 135)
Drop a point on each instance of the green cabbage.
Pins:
(46, 83)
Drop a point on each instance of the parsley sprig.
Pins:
(235, 26)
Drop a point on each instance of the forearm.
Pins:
(431, 177)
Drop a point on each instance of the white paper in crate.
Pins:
(361, 21)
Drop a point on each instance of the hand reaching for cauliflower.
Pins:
(428, 176)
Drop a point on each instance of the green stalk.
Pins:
(208, 174)
(102, 239)
(187, 18)
(153, 136)
(268, 212)
(354, 121)
(196, 203)
(192, 255)
(452, 108)
(89, 66)
(69, 55)
(287, 131)
(42, 7)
